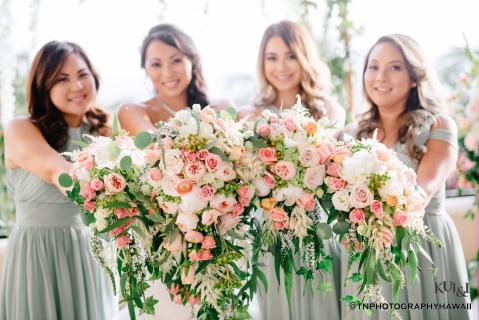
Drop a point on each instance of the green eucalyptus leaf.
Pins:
(65, 180)
(324, 231)
(142, 140)
(126, 162)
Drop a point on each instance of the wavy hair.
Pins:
(175, 37)
(316, 79)
(44, 114)
(423, 104)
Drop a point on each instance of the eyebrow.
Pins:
(174, 55)
(79, 71)
(393, 61)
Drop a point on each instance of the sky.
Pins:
(226, 32)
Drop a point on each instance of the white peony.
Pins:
(191, 202)
(341, 200)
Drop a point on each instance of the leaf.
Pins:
(117, 204)
(382, 273)
(142, 140)
(113, 150)
(155, 217)
(79, 143)
(126, 162)
(149, 306)
(277, 262)
(412, 264)
(219, 153)
(131, 310)
(288, 280)
(263, 279)
(341, 227)
(115, 225)
(65, 180)
(324, 231)
(356, 277)
(138, 230)
(123, 280)
(257, 142)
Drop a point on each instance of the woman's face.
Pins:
(74, 88)
(386, 79)
(281, 68)
(168, 68)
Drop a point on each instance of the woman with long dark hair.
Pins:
(49, 271)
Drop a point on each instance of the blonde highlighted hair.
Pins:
(316, 79)
(424, 102)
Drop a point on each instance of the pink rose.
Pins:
(203, 154)
(237, 209)
(208, 114)
(89, 206)
(195, 171)
(281, 225)
(246, 191)
(400, 218)
(223, 203)
(212, 162)
(87, 192)
(208, 242)
(120, 229)
(314, 177)
(174, 289)
(332, 169)
(309, 157)
(154, 174)
(194, 236)
(178, 299)
(89, 163)
(206, 193)
(324, 151)
(96, 184)
(306, 201)
(386, 236)
(361, 196)
(123, 241)
(273, 118)
(289, 122)
(336, 184)
(377, 208)
(263, 130)
(228, 221)
(190, 155)
(357, 216)
(114, 183)
(267, 155)
(278, 214)
(184, 186)
(269, 181)
(285, 170)
(210, 216)
(201, 255)
(188, 274)
(121, 213)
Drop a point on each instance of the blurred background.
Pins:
(227, 34)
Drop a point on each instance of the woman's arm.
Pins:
(439, 161)
(26, 148)
(134, 119)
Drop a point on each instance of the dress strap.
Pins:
(444, 135)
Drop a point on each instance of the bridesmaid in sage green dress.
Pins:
(405, 107)
(49, 271)
(289, 65)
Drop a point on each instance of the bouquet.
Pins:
(192, 184)
(378, 210)
(102, 183)
(293, 149)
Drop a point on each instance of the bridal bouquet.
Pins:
(293, 149)
(102, 182)
(379, 209)
(192, 183)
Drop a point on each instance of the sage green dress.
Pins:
(449, 260)
(49, 271)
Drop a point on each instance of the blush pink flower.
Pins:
(123, 241)
(285, 170)
(87, 192)
(332, 169)
(208, 242)
(89, 206)
(194, 236)
(202, 154)
(306, 201)
(263, 130)
(184, 186)
(114, 183)
(194, 171)
(267, 155)
(376, 208)
(206, 192)
(97, 184)
(400, 218)
(357, 216)
(154, 174)
(212, 162)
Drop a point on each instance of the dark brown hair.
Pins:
(423, 104)
(173, 36)
(43, 113)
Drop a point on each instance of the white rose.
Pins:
(361, 196)
(262, 189)
(392, 187)
(225, 172)
(341, 200)
(173, 161)
(101, 224)
(314, 177)
(206, 131)
(183, 116)
(191, 202)
(186, 221)
(189, 128)
(292, 194)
